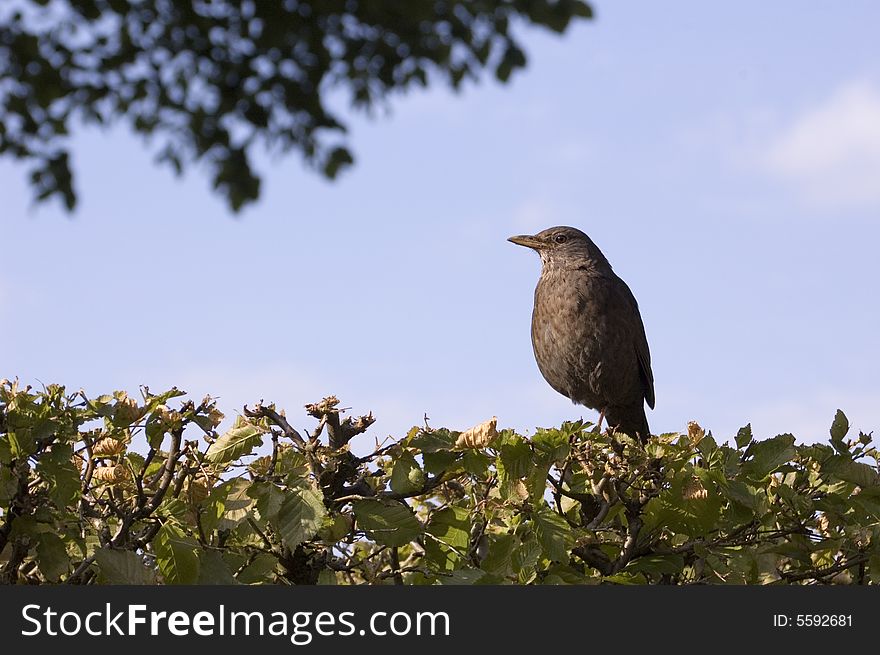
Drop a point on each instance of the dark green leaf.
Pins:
(52, 556)
(236, 502)
(744, 436)
(499, 555)
(155, 430)
(62, 477)
(516, 458)
(768, 455)
(840, 426)
(657, 564)
(335, 529)
(843, 468)
(269, 499)
(213, 570)
(450, 529)
(388, 522)
(552, 445)
(300, 516)
(554, 534)
(176, 555)
(8, 485)
(439, 461)
(406, 476)
(461, 577)
(122, 567)
(259, 570)
(336, 161)
(327, 577)
(430, 441)
(741, 493)
(524, 558)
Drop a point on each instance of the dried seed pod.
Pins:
(478, 436)
(127, 411)
(198, 489)
(215, 416)
(260, 466)
(110, 474)
(78, 461)
(108, 447)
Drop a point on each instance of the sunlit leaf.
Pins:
(240, 440)
(176, 555)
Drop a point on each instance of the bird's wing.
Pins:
(645, 371)
(643, 353)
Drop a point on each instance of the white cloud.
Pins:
(830, 154)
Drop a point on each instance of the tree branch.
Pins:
(262, 411)
(824, 573)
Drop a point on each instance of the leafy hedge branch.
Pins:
(122, 490)
(210, 82)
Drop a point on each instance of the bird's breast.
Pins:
(566, 335)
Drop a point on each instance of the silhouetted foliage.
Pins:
(211, 78)
(116, 489)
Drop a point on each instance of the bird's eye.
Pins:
(560, 238)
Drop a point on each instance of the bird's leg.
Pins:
(615, 444)
(601, 418)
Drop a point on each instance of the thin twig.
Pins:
(261, 411)
(395, 566)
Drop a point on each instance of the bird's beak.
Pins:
(528, 241)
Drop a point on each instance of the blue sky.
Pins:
(725, 157)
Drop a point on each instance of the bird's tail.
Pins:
(630, 419)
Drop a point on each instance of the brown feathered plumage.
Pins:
(587, 333)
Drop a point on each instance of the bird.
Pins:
(587, 333)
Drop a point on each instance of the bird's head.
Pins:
(563, 247)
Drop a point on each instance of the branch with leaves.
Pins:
(117, 489)
(210, 82)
